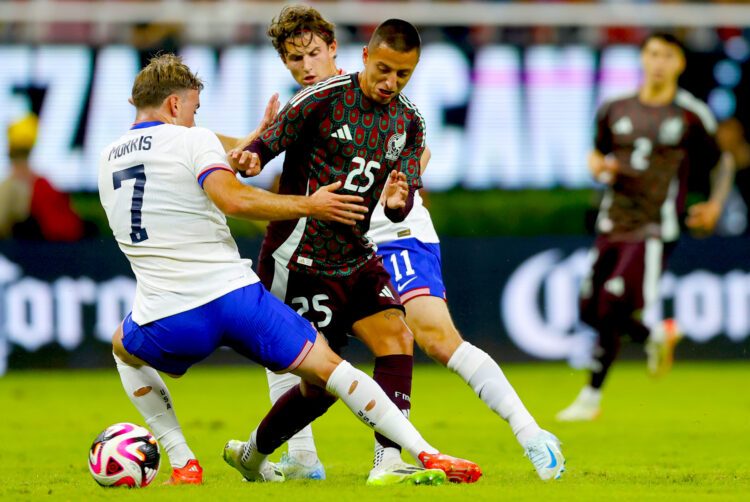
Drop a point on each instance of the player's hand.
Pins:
(604, 168)
(272, 109)
(244, 162)
(325, 204)
(702, 217)
(396, 191)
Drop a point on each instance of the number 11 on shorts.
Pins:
(407, 263)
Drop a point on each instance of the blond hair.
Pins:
(299, 20)
(164, 75)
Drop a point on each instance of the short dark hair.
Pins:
(399, 35)
(299, 20)
(667, 37)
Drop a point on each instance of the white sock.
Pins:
(483, 375)
(385, 455)
(367, 400)
(302, 445)
(148, 392)
(252, 459)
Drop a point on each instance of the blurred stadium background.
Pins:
(508, 90)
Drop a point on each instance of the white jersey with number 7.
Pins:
(176, 239)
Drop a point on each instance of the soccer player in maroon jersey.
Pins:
(360, 130)
(307, 46)
(646, 144)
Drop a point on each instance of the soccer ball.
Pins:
(124, 455)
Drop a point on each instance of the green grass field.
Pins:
(681, 438)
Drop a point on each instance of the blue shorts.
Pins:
(414, 267)
(250, 320)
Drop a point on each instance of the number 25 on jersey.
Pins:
(361, 166)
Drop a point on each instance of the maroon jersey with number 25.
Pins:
(332, 132)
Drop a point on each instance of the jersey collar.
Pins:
(144, 125)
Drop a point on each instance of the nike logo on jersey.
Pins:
(386, 293)
(343, 133)
(400, 287)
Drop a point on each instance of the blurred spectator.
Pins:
(30, 208)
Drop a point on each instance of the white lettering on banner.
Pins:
(529, 112)
(539, 305)
(30, 313)
(34, 313)
(115, 300)
(737, 285)
(70, 297)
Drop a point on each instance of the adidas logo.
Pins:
(386, 293)
(194, 468)
(623, 126)
(343, 133)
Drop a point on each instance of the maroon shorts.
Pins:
(332, 304)
(623, 279)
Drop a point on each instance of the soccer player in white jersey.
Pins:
(165, 186)
(411, 253)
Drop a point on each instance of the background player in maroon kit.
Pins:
(646, 144)
(360, 130)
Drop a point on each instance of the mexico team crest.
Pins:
(395, 145)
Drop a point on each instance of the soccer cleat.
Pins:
(294, 469)
(457, 470)
(660, 346)
(191, 474)
(544, 452)
(233, 456)
(401, 473)
(585, 407)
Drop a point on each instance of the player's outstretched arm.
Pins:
(702, 217)
(230, 143)
(242, 201)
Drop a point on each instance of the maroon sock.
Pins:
(393, 374)
(289, 415)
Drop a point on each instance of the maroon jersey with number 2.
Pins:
(655, 147)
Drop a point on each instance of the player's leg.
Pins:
(268, 327)
(390, 340)
(437, 336)
(150, 395)
(369, 403)
(664, 336)
(302, 460)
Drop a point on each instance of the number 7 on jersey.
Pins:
(138, 173)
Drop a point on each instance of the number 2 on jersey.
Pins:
(138, 173)
(639, 159)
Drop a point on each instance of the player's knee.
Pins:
(438, 342)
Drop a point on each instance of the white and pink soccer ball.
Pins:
(124, 455)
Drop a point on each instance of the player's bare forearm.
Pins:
(722, 178)
(247, 202)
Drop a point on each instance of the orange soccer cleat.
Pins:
(191, 474)
(458, 470)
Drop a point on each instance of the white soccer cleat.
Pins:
(584, 408)
(396, 472)
(268, 471)
(294, 469)
(544, 453)
(660, 346)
